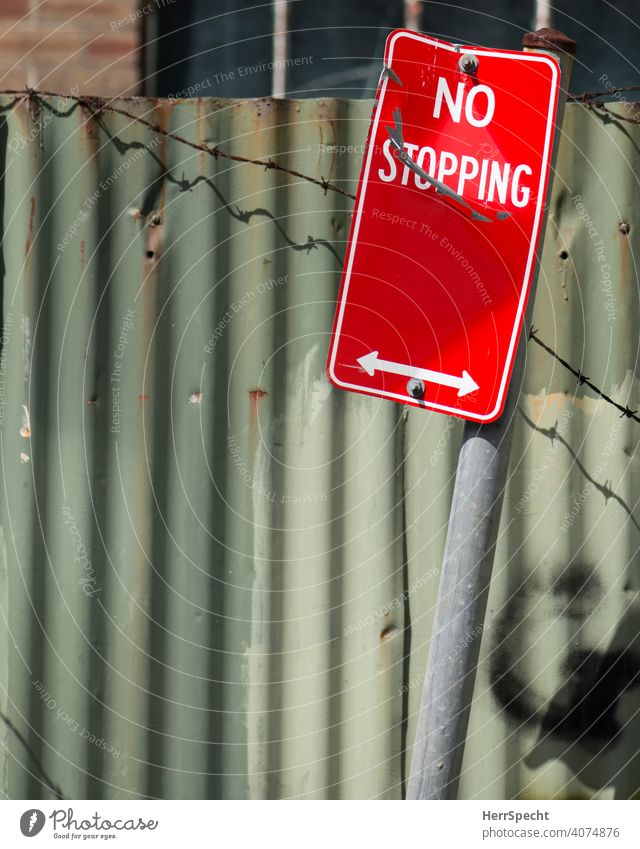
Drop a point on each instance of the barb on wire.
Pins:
(591, 100)
(602, 107)
(589, 95)
(97, 106)
(583, 379)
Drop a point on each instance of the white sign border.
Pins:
(381, 393)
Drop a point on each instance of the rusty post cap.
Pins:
(548, 38)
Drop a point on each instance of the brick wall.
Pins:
(58, 44)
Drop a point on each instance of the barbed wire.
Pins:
(589, 99)
(602, 107)
(582, 379)
(96, 106)
(588, 95)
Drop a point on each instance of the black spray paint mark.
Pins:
(584, 707)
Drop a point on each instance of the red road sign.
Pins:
(446, 224)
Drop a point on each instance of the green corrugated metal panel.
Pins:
(218, 573)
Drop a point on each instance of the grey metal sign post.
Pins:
(469, 551)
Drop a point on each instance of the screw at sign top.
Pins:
(468, 64)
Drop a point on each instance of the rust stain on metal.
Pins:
(165, 108)
(548, 38)
(25, 428)
(201, 134)
(155, 232)
(35, 111)
(539, 405)
(154, 244)
(32, 216)
(256, 394)
(91, 108)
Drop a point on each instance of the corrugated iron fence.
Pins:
(217, 573)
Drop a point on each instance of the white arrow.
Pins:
(465, 384)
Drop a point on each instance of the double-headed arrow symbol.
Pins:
(465, 384)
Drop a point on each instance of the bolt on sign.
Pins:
(446, 224)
